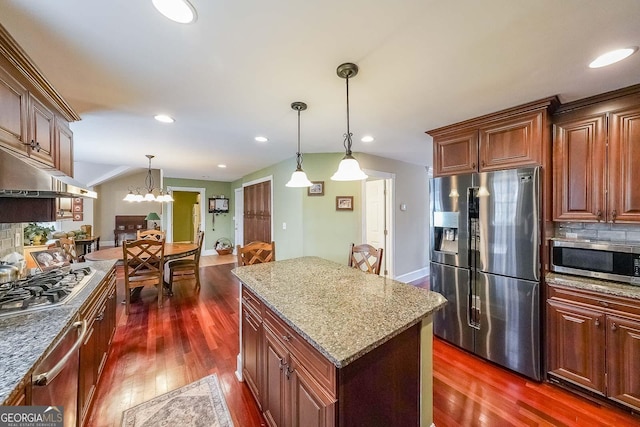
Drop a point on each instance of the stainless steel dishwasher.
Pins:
(55, 378)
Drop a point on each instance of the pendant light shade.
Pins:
(349, 168)
(298, 177)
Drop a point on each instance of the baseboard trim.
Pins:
(413, 275)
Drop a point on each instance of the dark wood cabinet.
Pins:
(594, 342)
(41, 135)
(64, 148)
(577, 343)
(311, 405)
(252, 345)
(596, 150)
(274, 403)
(507, 139)
(100, 313)
(257, 212)
(13, 113)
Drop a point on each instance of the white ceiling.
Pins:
(233, 74)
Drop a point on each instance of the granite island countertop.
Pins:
(26, 338)
(341, 311)
(595, 285)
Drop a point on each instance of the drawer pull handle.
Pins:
(614, 327)
(473, 165)
(614, 214)
(604, 303)
(597, 322)
(599, 215)
(281, 364)
(288, 372)
(286, 338)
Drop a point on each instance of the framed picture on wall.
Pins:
(344, 203)
(317, 189)
(219, 205)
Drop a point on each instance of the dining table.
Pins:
(171, 251)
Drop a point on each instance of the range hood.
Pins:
(18, 179)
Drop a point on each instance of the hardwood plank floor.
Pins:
(196, 334)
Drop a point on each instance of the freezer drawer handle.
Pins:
(46, 377)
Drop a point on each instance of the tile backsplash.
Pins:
(7, 238)
(599, 231)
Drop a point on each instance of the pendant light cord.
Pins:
(347, 136)
(299, 154)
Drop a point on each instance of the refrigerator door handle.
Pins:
(474, 312)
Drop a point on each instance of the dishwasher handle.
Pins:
(45, 378)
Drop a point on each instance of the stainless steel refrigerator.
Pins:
(485, 247)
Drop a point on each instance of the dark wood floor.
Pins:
(196, 334)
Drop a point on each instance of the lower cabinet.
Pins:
(101, 317)
(594, 343)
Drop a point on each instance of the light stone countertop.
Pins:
(26, 338)
(342, 312)
(595, 285)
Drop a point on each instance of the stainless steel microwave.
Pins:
(602, 260)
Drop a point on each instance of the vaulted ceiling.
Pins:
(233, 74)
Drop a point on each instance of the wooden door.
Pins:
(576, 345)
(250, 218)
(275, 365)
(455, 153)
(41, 132)
(510, 143)
(623, 360)
(311, 405)
(251, 351)
(257, 219)
(624, 158)
(579, 156)
(13, 113)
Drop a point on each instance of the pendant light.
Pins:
(298, 177)
(149, 196)
(348, 169)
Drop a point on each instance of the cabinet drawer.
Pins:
(319, 366)
(604, 302)
(252, 302)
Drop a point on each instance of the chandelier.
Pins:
(148, 187)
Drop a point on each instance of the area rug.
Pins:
(199, 404)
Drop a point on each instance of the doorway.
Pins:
(184, 211)
(377, 216)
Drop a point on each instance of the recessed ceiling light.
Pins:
(180, 11)
(222, 166)
(164, 118)
(261, 139)
(367, 138)
(613, 57)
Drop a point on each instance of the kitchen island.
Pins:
(325, 344)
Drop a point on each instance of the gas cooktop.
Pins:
(42, 290)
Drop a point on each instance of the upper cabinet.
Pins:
(507, 139)
(34, 119)
(596, 145)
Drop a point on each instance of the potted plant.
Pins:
(36, 234)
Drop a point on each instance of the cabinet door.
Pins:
(275, 365)
(623, 360)
(64, 144)
(576, 345)
(41, 132)
(88, 375)
(455, 154)
(624, 158)
(510, 143)
(251, 351)
(311, 406)
(579, 156)
(13, 113)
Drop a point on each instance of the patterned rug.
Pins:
(199, 404)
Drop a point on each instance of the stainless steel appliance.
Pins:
(55, 379)
(42, 290)
(485, 244)
(602, 260)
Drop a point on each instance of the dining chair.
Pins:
(143, 265)
(68, 245)
(186, 268)
(256, 253)
(150, 234)
(366, 258)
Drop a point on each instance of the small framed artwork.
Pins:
(317, 189)
(50, 259)
(344, 203)
(219, 205)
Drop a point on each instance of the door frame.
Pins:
(390, 179)
(169, 206)
(238, 217)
